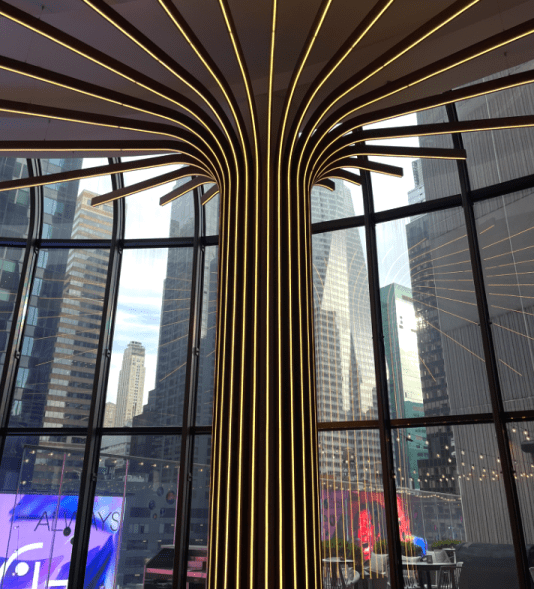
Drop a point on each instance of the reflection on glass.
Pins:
(134, 512)
(466, 530)
(10, 267)
(211, 212)
(206, 368)
(345, 201)
(521, 436)
(67, 210)
(424, 179)
(197, 561)
(14, 204)
(54, 382)
(432, 339)
(498, 156)
(506, 238)
(39, 485)
(353, 523)
(149, 358)
(343, 340)
(145, 218)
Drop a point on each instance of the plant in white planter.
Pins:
(379, 558)
(411, 552)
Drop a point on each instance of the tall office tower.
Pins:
(131, 385)
(83, 286)
(404, 380)
(417, 193)
(392, 252)
(457, 387)
(343, 343)
(109, 416)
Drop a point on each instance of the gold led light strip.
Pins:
(459, 58)
(383, 61)
(343, 132)
(361, 164)
(346, 176)
(94, 172)
(87, 52)
(326, 183)
(409, 152)
(253, 116)
(268, 458)
(180, 191)
(147, 184)
(62, 81)
(207, 196)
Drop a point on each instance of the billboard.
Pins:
(36, 535)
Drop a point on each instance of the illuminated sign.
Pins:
(36, 534)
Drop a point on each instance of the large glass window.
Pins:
(453, 309)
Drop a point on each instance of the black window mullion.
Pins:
(384, 425)
(96, 413)
(13, 350)
(183, 507)
(497, 406)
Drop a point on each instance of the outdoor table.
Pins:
(342, 561)
(425, 568)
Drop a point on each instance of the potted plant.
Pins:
(411, 552)
(379, 558)
(444, 550)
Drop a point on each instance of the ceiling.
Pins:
(253, 25)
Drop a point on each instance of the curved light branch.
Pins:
(94, 91)
(184, 189)
(362, 164)
(180, 23)
(434, 69)
(346, 176)
(95, 172)
(326, 183)
(147, 184)
(84, 50)
(207, 196)
(411, 152)
(386, 59)
(149, 47)
(92, 148)
(447, 128)
(358, 34)
(62, 114)
(340, 137)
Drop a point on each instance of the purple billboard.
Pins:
(36, 533)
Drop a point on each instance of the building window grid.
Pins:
(384, 425)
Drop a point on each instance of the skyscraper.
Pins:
(131, 384)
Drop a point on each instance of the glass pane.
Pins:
(211, 212)
(432, 339)
(424, 179)
(39, 485)
(135, 503)
(54, 382)
(345, 201)
(67, 210)
(353, 522)
(453, 507)
(506, 240)
(10, 268)
(497, 156)
(522, 449)
(343, 339)
(197, 562)
(14, 204)
(149, 356)
(145, 218)
(206, 369)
